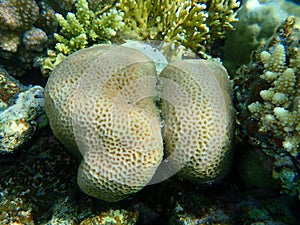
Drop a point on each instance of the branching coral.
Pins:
(86, 27)
(195, 24)
(171, 21)
(280, 110)
(272, 103)
(81, 29)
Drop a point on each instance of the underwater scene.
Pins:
(149, 112)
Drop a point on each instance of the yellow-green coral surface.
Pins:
(197, 25)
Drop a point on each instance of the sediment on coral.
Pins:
(268, 94)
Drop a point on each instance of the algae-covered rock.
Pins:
(8, 88)
(20, 108)
(113, 217)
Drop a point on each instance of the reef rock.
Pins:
(20, 108)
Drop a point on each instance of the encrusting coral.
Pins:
(270, 98)
(197, 25)
(103, 110)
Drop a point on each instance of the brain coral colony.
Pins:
(197, 25)
(122, 145)
(268, 91)
(103, 108)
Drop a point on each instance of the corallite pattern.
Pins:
(100, 103)
(94, 107)
(198, 119)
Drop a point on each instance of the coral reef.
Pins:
(279, 110)
(180, 216)
(255, 169)
(248, 210)
(21, 108)
(33, 180)
(258, 20)
(14, 21)
(18, 14)
(40, 181)
(66, 211)
(268, 97)
(25, 27)
(103, 110)
(62, 6)
(197, 25)
(85, 27)
(15, 211)
(34, 39)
